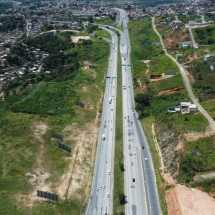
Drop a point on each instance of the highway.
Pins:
(140, 181)
(101, 201)
(186, 81)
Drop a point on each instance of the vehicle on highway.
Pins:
(146, 159)
(108, 195)
(103, 137)
(110, 100)
(103, 186)
(109, 172)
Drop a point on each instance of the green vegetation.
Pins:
(147, 126)
(101, 33)
(205, 36)
(10, 23)
(198, 157)
(43, 98)
(204, 77)
(161, 64)
(151, 102)
(208, 185)
(142, 39)
(118, 208)
(30, 107)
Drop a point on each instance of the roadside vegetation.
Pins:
(205, 36)
(40, 104)
(153, 98)
(196, 158)
(119, 197)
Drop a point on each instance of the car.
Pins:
(103, 186)
(100, 187)
(108, 172)
(108, 195)
(135, 153)
(133, 179)
(146, 159)
(142, 147)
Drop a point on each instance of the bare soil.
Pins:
(75, 39)
(173, 40)
(192, 136)
(171, 91)
(188, 201)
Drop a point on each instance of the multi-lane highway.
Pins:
(102, 187)
(140, 180)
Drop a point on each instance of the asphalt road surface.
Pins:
(101, 201)
(140, 181)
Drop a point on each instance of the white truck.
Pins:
(110, 100)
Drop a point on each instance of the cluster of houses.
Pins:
(184, 108)
(183, 8)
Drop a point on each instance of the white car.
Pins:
(109, 172)
(103, 186)
(135, 153)
(108, 195)
(146, 159)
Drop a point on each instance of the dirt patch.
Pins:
(39, 130)
(193, 56)
(187, 201)
(147, 64)
(172, 40)
(170, 91)
(75, 39)
(85, 89)
(75, 181)
(192, 136)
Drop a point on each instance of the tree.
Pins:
(90, 19)
(142, 99)
(122, 198)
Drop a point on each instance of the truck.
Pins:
(103, 137)
(110, 100)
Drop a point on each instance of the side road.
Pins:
(186, 80)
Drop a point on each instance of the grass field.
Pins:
(205, 36)
(198, 157)
(119, 160)
(102, 33)
(26, 144)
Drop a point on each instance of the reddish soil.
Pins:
(187, 201)
(171, 91)
(173, 40)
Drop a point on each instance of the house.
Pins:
(156, 77)
(173, 109)
(185, 44)
(188, 107)
(209, 57)
(212, 67)
(169, 74)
